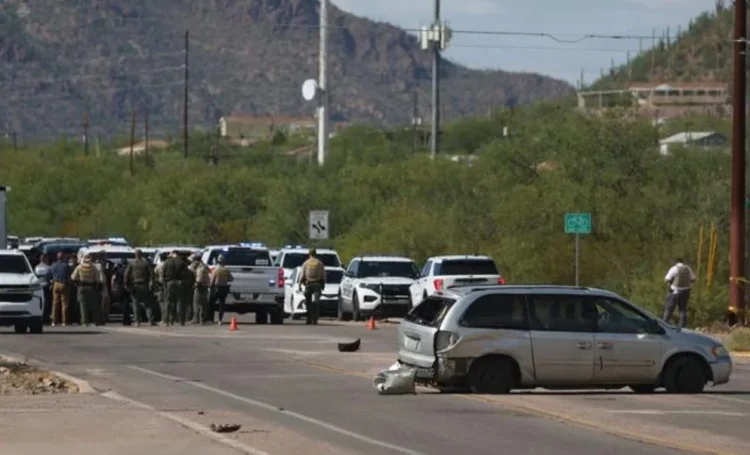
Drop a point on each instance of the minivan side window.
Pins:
(616, 317)
(562, 313)
(497, 311)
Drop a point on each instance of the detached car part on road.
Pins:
(492, 339)
(21, 296)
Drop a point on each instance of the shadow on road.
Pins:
(55, 332)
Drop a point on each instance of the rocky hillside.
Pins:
(64, 58)
(700, 51)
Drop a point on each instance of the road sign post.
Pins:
(318, 225)
(577, 224)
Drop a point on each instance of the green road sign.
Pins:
(578, 223)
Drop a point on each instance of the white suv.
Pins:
(21, 296)
(376, 284)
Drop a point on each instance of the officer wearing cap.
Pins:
(220, 281)
(88, 280)
(314, 279)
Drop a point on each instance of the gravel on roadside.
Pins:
(22, 379)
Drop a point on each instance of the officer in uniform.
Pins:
(88, 280)
(173, 275)
(185, 306)
(314, 279)
(220, 279)
(105, 270)
(137, 279)
(200, 294)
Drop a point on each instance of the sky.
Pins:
(563, 19)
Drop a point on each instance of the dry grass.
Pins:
(22, 379)
(739, 340)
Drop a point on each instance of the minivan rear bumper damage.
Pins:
(447, 371)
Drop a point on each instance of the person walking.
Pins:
(137, 279)
(88, 281)
(314, 279)
(60, 278)
(221, 278)
(680, 279)
(173, 275)
(200, 294)
(42, 271)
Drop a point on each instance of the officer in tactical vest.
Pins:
(173, 275)
(88, 282)
(200, 294)
(185, 306)
(137, 279)
(680, 279)
(220, 279)
(314, 279)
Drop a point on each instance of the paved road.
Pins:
(289, 383)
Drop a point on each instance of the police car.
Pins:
(258, 286)
(293, 256)
(21, 296)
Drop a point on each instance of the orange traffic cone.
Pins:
(371, 323)
(233, 324)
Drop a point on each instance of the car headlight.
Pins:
(719, 351)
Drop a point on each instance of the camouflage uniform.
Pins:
(185, 305)
(173, 275)
(87, 279)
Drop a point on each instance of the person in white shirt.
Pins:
(680, 279)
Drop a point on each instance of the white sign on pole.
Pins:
(318, 224)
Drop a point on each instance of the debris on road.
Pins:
(225, 427)
(398, 379)
(22, 379)
(350, 347)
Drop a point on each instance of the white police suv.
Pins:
(21, 297)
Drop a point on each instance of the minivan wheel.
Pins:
(643, 388)
(491, 375)
(684, 374)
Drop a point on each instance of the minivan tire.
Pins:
(491, 376)
(684, 374)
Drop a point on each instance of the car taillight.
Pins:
(445, 340)
(438, 284)
(280, 279)
(501, 280)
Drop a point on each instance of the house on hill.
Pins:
(707, 139)
(237, 127)
(668, 99)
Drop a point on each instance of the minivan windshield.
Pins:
(401, 269)
(466, 267)
(14, 264)
(294, 260)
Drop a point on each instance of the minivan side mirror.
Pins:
(654, 328)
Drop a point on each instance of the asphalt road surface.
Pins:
(286, 383)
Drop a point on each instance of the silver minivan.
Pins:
(491, 339)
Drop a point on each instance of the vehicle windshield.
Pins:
(14, 264)
(466, 267)
(115, 257)
(240, 257)
(294, 260)
(402, 269)
(334, 276)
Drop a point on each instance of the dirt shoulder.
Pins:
(18, 378)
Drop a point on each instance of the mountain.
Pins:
(63, 59)
(701, 52)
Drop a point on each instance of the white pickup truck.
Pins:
(258, 287)
(444, 272)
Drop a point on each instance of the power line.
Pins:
(542, 48)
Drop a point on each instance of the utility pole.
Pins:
(86, 134)
(145, 134)
(185, 107)
(737, 217)
(132, 143)
(323, 84)
(414, 121)
(435, 139)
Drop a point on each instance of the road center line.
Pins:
(269, 407)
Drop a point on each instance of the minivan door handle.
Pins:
(604, 345)
(584, 345)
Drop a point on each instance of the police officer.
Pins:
(185, 306)
(314, 279)
(88, 280)
(220, 279)
(137, 279)
(173, 275)
(200, 293)
(105, 273)
(160, 287)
